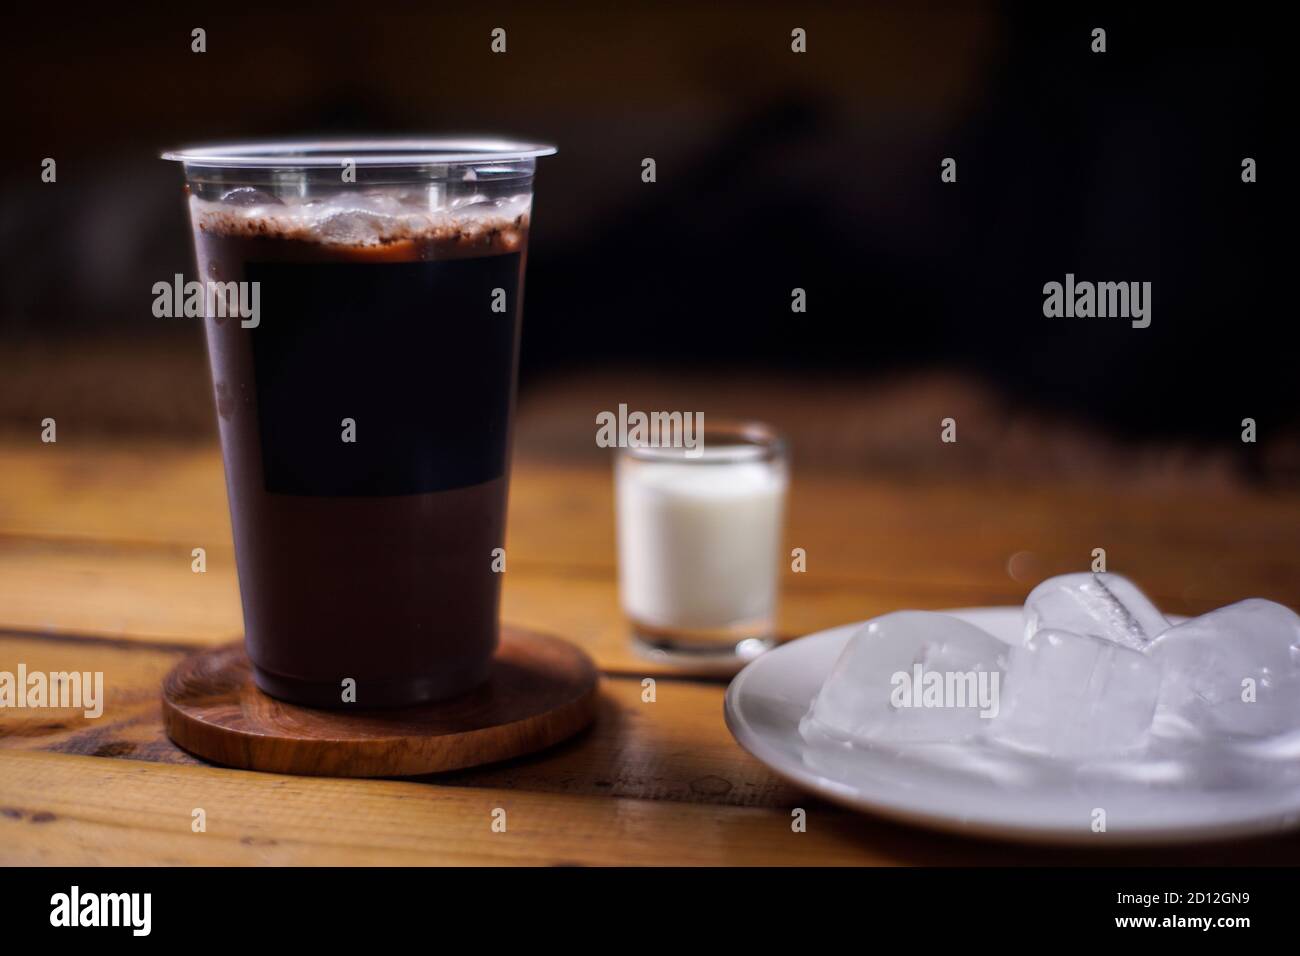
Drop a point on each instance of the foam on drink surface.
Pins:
(371, 217)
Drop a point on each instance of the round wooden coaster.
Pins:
(540, 691)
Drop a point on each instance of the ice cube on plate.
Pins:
(1076, 696)
(1232, 672)
(1104, 605)
(912, 676)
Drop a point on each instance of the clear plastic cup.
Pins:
(362, 303)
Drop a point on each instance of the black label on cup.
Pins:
(410, 353)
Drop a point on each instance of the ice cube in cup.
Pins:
(909, 677)
(1233, 672)
(1076, 696)
(1105, 605)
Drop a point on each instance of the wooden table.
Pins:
(95, 574)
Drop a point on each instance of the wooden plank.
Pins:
(65, 810)
(585, 608)
(1190, 547)
(675, 751)
(118, 590)
(131, 723)
(676, 747)
(57, 809)
(149, 492)
(149, 592)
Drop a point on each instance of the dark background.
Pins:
(775, 170)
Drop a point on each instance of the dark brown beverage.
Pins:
(365, 425)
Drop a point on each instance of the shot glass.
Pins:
(699, 543)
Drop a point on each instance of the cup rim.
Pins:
(733, 440)
(316, 153)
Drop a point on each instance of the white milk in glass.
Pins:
(699, 544)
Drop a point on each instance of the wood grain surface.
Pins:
(541, 690)
(96, 548)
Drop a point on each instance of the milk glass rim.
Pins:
(317, 153)
(726, 441)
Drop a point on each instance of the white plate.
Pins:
(1167, 796)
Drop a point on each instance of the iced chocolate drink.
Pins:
(365, 416)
